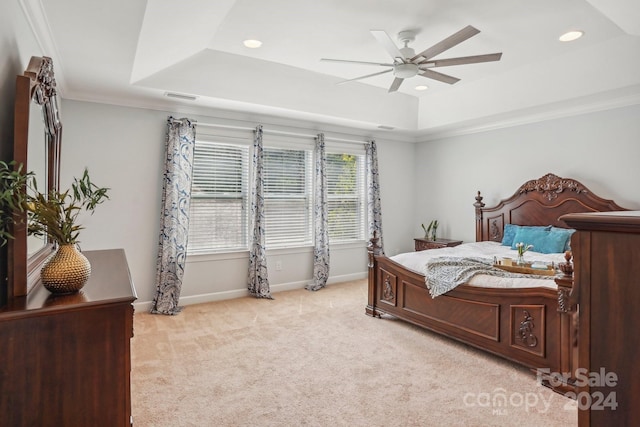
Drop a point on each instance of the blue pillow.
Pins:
(543, 240)
(508, 234)
(564, 231)
(510, 231)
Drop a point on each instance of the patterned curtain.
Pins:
(373, 191)
(174, 221)
(321, 225)
(258, 282)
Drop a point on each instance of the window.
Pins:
(220, 193)
(219, 198)
(345, 182)
(287, 197)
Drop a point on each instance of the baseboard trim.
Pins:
(239, 293)
(346, 278)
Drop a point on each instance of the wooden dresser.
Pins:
(606, 250)
(65, 360)
(422, 244)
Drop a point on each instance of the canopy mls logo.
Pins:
(499, 401)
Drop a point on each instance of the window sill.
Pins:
(221, 256)
(218, 256)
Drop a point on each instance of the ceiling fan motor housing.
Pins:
(407, 52)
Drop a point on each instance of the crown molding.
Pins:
(34, 13)
(610, 100)
(243, 113)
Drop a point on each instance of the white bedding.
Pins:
(417, 262)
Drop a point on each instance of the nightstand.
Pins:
(422, 243)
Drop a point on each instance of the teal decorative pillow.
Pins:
(567, 232)
(542, 238)
(508, 234)
(510, 230)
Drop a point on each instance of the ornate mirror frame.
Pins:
(37, 85)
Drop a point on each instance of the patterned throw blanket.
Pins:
(445, 273)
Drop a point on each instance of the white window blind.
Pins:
(346, 210)
(219, 198)
(287, 197)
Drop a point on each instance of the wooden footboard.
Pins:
(521, 325)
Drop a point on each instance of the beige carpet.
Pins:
(315, 359)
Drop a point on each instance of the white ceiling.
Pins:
(133, 52)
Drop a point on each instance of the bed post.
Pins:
(479, 205)
(373, 249)
(567, 308)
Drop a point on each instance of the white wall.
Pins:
(124, 150)
(398, 194)
(599, 149)
(17, 45)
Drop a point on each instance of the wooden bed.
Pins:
(534, 327)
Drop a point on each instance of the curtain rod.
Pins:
(278, 132)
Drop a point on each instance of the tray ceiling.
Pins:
(133, 53)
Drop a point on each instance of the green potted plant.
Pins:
(430, 232)
(12, 197)
(434, 229)
(55, 215)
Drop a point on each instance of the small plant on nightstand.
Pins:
(430, 232)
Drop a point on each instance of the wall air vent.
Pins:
(180, 96)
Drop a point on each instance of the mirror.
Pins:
(37, 136)
(37, 158)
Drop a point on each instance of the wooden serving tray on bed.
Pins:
(526, 269)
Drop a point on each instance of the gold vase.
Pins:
(66, 271)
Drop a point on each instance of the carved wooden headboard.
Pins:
(538, 202)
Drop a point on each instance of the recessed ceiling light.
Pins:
(422, 87)
(252, 44)
(570, 36)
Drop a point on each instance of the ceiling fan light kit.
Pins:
(407, 64)
(404, 71)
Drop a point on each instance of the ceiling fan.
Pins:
(406, 63)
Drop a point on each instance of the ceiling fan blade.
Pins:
(388, 44)
(454, 39)
(355, 62)
(430, 74)
(396, 84)
(462, 60)
(368, 75)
